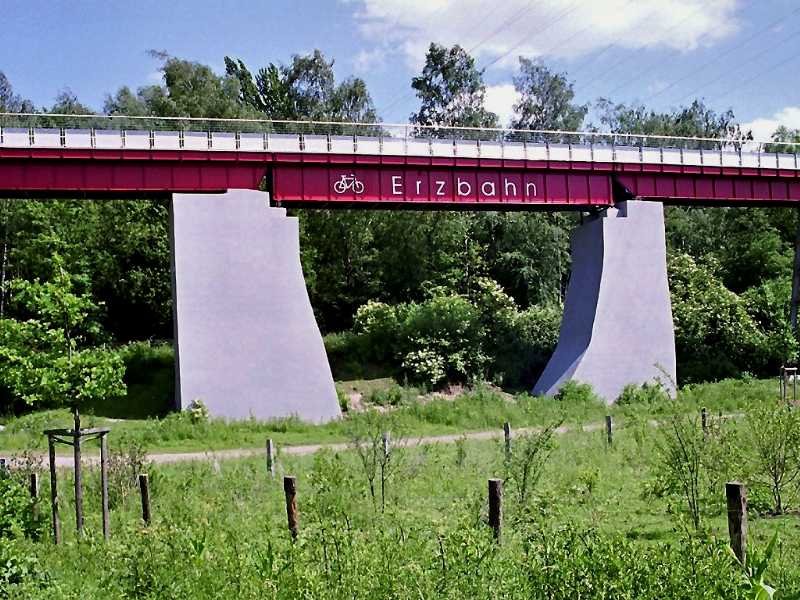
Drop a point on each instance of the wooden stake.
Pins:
(496, 507)
(76, 444)
(51, 446)
(144, 489)
(609, 431)
(271, 458)
(104, 485)
(507, 439)
(386, 441)
(290, 491)
(704, 419)
(736, 495)
(33, 485)
(3, 467)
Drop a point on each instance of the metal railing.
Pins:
(147, 132)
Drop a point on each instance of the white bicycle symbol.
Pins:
(348, 182)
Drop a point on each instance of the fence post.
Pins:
(609, 431)
(736, 495)
(704, 419)
(144, 490)
(76, 445)
(496, 507)
(3, 467)
(507, 439)
(386, 441)
(290, 491)
(104, 485)
(33, 485)
(271, 458)
(51, 447)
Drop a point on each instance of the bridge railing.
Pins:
(143, 132)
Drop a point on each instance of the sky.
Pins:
(736, 54)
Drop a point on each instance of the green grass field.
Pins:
(600, 523)
(480, 409)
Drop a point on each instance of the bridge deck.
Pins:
(408, 166)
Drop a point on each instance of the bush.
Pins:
(452, 338)
(20, 572)
(715, 336)
(775, 435)
(19, 513)
(647, 394)
(575, 392)
(393, 395)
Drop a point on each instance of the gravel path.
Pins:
(65, 461)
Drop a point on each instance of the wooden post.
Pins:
(271, 458)
(507, 439)
(144, 490)
(387, 444)
(51, 446)
(33, 485)
(290, 490)
(104, 485)
(3, 467)
(736, 495)
(496, 507)
(609, 431)
(704, 419)
(76, 445)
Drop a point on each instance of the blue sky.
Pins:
(734, 53)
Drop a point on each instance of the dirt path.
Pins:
(300, 450)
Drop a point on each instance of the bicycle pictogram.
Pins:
(348, 183)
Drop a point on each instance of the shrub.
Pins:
(19, 513)
(444, 341)
(715, 337)
(393, 395)
(647, 394)
(20, 572)
(775, 435)
(575, 392)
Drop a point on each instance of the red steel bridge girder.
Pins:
(559, 184)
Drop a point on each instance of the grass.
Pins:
(478, 409)
(220, 530)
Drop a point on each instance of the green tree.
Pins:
(451, 90)
(546, 99)
(9, 101)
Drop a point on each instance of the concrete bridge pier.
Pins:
(617, 326)
(246, 340)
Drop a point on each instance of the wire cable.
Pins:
(722, 55)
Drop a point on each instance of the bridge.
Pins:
(350, 165)
(245, 336)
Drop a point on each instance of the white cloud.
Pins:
(764, 127)
(368, 60)
(500, 99)
(501, 31)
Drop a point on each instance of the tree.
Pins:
(694, 120)
(546, 99)
(190, 89)
(451, 90)
(304, 89)
(9, 101)
(45, 354)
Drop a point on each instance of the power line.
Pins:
(766, 50)
(572, 8)
(405, 95)
(497, 59)
(628, 57)
(605, 49)
(722, 55)
(760, 74)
